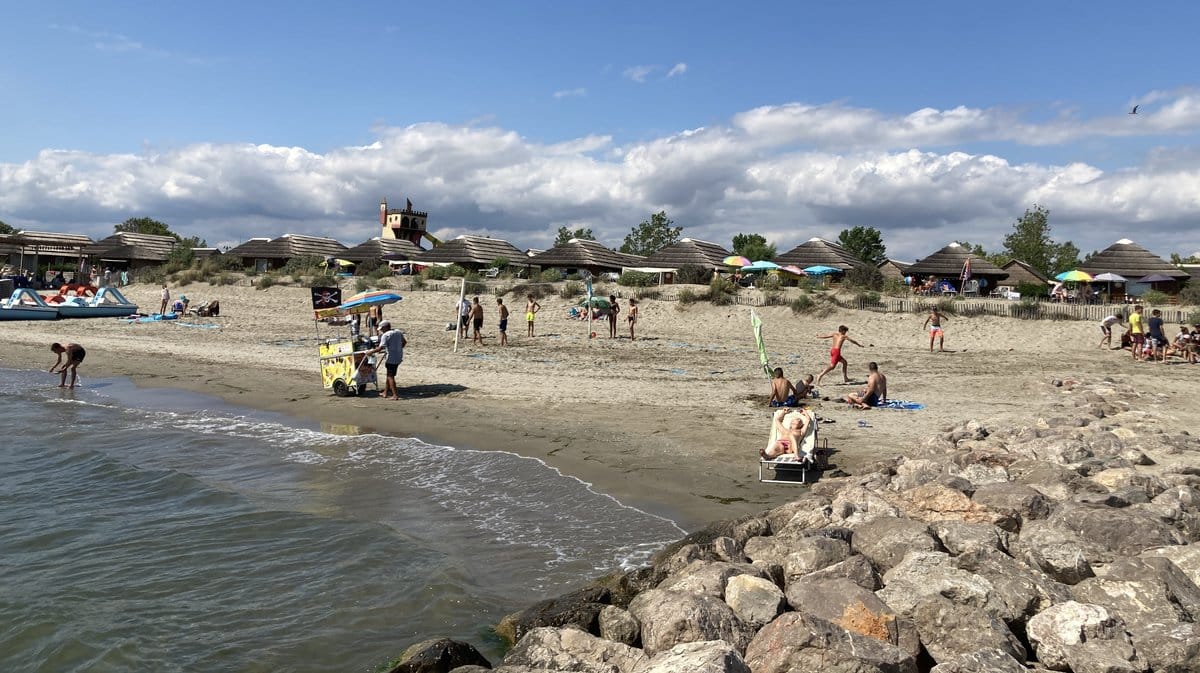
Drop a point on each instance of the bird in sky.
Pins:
(1134, 110)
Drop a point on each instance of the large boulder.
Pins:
(960, 537)
(857, 505)
(1114, 532)
(624, 585)
(438, 655)
(1021, 500)
(711, 656)
(709, 577)
(1143, 591)
(938, 502)
(800, 642)
(1169, 647)
(983, 661)
(852, 607)
(578, 608)
(1083, 638)
(885, 541)
(617, 625)
(1057, 551)
(1185, 557)
(810, 554)
(569, 649)
(924, 575)
(1022, 591)
(951, 630)
(669, 618)
(754, 600)
(855, 568)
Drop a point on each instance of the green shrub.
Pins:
(571, 289)
(1154, 297)
(456, 271)
(636, 279)
(188, 276)
(418, 283)
(551, 276)
(691, 274)
(1027, 308)
(267, 280)
(947, 306)
(1033, 290)
(864, 277)
(1190, 294)
(774, 299)
(500, 263)
(649, 293)
(721, 291)
(537, 290)
(362, 284)
(1194, 318)
(803, 305)
(224, 278)
(770, 282)
(894, 287)
(303, 265)
(867, 297)
(381, 271)
(687, 296)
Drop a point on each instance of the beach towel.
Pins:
(198, 324)
(901, 404)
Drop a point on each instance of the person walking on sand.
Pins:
(531, 309)
(477, 322)
(613, 310)
(74, 354)
(1106, 326)
(835, 352)
(934, 322)
(632, 317)
(166, 300)
(503, 311)
(392, 341)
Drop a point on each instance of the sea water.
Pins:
(157, 530)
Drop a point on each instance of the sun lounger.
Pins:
(789, 469)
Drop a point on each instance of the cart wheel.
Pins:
(341, 389)
(362, 389)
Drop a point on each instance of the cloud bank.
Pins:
(789, 172)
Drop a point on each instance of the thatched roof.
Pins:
(1020, 272)
(131, 246)
(948, 263)
(579, 253)
(818, 251)
(288, 246)
(473, 251)
(690, 252)
(47, 241)
(891, 268)
(377, 247)
(1131, 260)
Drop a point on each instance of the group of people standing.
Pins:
(470, 318)
(1146, 337)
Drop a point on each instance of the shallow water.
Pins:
(156, 530)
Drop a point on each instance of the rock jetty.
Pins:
(1061, 545)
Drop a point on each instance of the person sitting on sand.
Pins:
(783, 393)
(793, 433)
(835, 352)
(874, 394)
(804, 387)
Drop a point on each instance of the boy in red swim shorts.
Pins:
(835, 352)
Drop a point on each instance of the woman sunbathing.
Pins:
(793, 433)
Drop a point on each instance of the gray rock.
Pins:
(911, 473)
(669, 618)
(1112, 532)
(739, 530)
(709, 577)
(754, 600)
(1056, 551)
(857, 505)
(938, 502)
(885, 541)
(855, 568)
(923, 575)
(617, 625)
(624, 585)
(797, 642)
(852, 607)
(1020, 499)
(712, 656)
(780, 517)
(1022, 591)
(960, 537)
(1185, 557)
(472, 669)
(983, 661)
(950, 630)
(569, 649)
(439, 655)
(578, 608)
(1169, 648)
(811, 554)
(1084, 639)
(1143, 590)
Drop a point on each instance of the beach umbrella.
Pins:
(372, 298)
(820, 270)
(761, 265)
(1074, 276)
(793, 269)
(736, 260)
(1155, 278)
(1110, 278)
(595, 302)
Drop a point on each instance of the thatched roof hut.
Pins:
(265, 254)
(582, 254)
(948, 262)
(33, 249)
(893, 269)
(1020, 272)
(690, 252)
(473, 252)
(819, 252)
(1132, 261)
(131, 249)
(376, 248)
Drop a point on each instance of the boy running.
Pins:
(835, 352)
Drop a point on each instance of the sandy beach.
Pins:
(670, 423)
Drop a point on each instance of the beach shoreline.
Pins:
(669, 424)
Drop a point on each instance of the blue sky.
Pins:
(931, 122)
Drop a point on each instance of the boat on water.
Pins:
(108, 302)
(25, 304)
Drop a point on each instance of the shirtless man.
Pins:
(783, 393)
(503, 321)
(874, 393)
(531, 309)
(789, 430)
(75, 354)
(835, 352)
(477, 322)
(934, 322)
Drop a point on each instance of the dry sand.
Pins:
(670, 423)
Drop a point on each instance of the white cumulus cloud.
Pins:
(639, 73)
(677, 69)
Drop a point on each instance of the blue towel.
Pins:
(901, 404)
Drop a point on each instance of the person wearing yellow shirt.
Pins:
(1137, 331)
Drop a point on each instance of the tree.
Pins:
(1176, 258)
(753, 247)
(145, 225)
(6, 229)
(651, 235)
(1030, 242)
(565, 235)
(866, 243)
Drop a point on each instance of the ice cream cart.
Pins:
(346, 363)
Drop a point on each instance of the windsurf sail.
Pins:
(756, 322)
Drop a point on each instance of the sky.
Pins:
(932, 122)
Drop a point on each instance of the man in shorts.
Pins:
(835, 352)
(934, 321)
(1137, 331)
(74, 357)
(464, 317)
(392, 341)
(1106, 326)
(477, 322)
(874, 394)
(503, 310)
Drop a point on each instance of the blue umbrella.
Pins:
(375, 298)
(761, 265)
(820, 270)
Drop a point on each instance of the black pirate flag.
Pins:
(326, 297)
